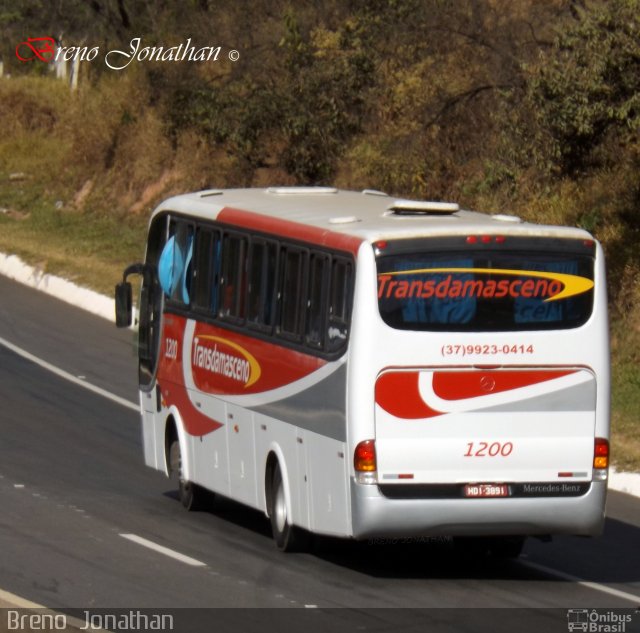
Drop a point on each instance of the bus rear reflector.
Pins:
(364, 458)
(601, 453)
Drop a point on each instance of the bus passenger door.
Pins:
(149, 327)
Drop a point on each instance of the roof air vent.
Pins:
(503, 217)
(301, 191)
(344, 219)
(422, 207)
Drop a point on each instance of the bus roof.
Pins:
(367, 216)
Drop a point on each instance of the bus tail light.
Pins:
(364, 461)
(600, 458)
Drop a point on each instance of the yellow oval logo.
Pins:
(548, 285)
(225, 358)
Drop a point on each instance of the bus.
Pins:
(360, 366)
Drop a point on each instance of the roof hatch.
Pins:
(422, 207)
(301, 190)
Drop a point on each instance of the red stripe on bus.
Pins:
(290, 229)
(459, 385)
(195, 422)
(398, 393)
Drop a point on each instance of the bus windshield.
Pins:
(492, 288)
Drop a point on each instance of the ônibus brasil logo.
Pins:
(526, 284)
(225, 358)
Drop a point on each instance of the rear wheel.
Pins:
(191, 496)
(287, 537)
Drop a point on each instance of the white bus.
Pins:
(359, 366)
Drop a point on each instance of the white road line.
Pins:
(17, 602)
(67, 376)
(583, 583)
(163, 550)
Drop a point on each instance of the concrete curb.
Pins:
(13, 267)
(625, 482)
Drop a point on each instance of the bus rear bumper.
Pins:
(374, 515)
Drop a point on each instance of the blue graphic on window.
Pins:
(437, 310)
(535, 310)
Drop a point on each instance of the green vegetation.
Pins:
(525, 107)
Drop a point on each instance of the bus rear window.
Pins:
(485, 290)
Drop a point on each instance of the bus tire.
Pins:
(191, 496)
(287, 537)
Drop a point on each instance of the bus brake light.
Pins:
(364, 458)
(601, 453)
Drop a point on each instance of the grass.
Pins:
(625, 391)
(625, 439)
(87, 248)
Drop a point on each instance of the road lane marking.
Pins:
(67, 376)
(583, 583)
(163, 550)
(11, 600)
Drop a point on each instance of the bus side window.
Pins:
(339, 304)
(175, 264)
(262, 281)
(315, 322)
(203, 279)
(233, 283)
(291, 289)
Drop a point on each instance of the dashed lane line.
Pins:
(187, 560)
(583, 583)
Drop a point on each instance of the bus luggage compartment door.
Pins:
(470, 425)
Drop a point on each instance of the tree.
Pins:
(586, 89)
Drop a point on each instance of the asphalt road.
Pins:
(81, 516)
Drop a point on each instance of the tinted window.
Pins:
(262, 284)
(291, 292)
(175, 266)
(207, 270)
(233, 280)
(340, 296)
(316, 316)
(485, 290)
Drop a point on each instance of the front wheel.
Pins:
(287, 537)
(191, 496)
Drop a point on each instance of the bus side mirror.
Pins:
(123, 304)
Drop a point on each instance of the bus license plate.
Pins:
(486, 490)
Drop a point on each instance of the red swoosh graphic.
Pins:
(398, 394)
(195, 422)
(459, 385)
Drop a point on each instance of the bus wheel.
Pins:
(287, 537)
(191, 495)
